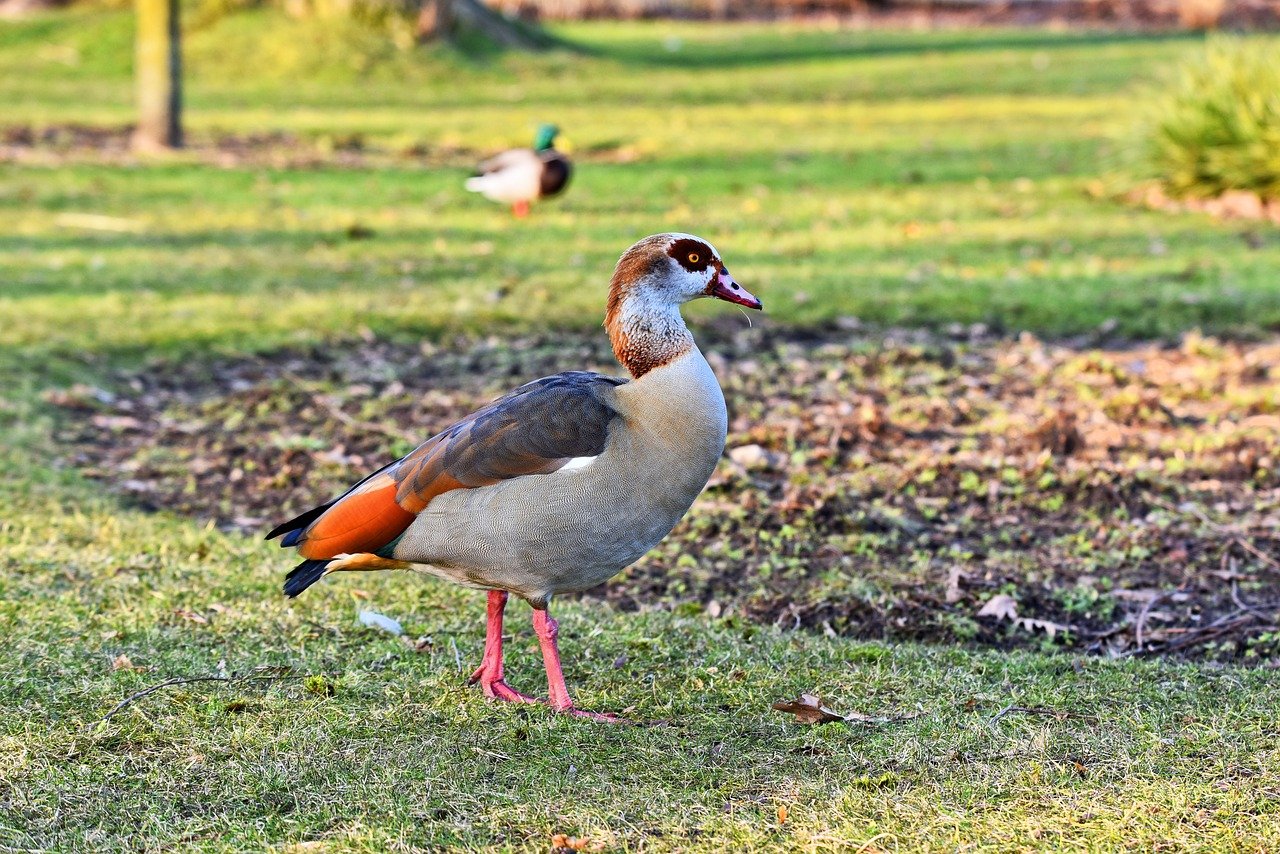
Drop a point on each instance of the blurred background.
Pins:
(1015, 395)
(238, 232)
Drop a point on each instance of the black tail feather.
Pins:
(298, 523)
(304, 575)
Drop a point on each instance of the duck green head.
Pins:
(546, 137)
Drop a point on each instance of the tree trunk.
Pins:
(435, 20)
(158, 75)
(442, 19)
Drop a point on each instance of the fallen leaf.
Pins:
(191, 616)
(782, 813)
(1140, 594)
(78, 397)
(562, 843)
(1002, 606)
(116, 422)
(122, 662)
(423, 644)
(1049, 627)
(808, 709)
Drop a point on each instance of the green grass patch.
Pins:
(903, 178)
(1217, 126)
(899, 178)
(367, 743)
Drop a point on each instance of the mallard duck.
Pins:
(559, 485)
(522, 175)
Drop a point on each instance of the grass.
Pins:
(899, 177)
(402, 756)
(1217, 128)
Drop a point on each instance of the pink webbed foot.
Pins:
(489, 673)
(497, 689)
(548, 632)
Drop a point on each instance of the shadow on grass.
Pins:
(812, 46)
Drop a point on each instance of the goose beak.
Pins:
(724, 287)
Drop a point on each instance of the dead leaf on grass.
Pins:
(562, 843)
(1002, 606)
(424, 643)
(1049, 627)
(191, 616)
(123, 662)
(1058, 434)
(808, 709)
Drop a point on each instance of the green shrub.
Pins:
(1216, 126)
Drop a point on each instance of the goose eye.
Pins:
(694, 257)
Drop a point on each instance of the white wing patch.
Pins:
(578, 463)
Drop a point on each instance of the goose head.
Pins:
(652, 280)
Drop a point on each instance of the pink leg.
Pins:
(489, 673)
(520, 210)
(548, 630)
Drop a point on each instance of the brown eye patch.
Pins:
(694, 255)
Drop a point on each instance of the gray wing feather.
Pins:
(535, 429)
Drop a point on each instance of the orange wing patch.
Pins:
(535, 429)
(422, 475)
(363, 521)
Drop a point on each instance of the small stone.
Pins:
(1241, 204)
(755, 457)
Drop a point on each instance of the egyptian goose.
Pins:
(560, 484)
(521, 175)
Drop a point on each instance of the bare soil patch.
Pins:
(905, 485)
(56, 144)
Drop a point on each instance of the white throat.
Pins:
(647, 331)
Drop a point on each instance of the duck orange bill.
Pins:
(725, 288)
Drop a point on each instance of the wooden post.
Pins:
(158, 73)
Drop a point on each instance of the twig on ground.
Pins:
(1256, 552)
(1216, 629)
(1141, 625)
(1037, 710)
(1256, 610)
(1233, 530)
(184, 680)
(872, 720)
(809, 709)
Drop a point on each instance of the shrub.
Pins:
(1216, 127)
